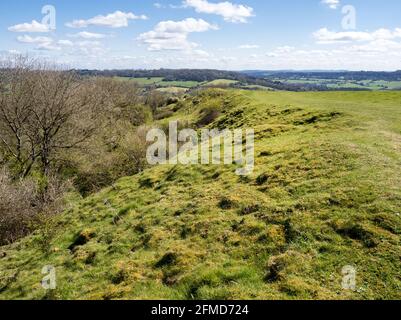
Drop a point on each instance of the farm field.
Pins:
(330, 84)
(160, 82)
(374, 85)
(142, 81)
(325, 194)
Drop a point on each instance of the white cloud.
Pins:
(332, 4)
(380, 54)
(284, 49)
(29, 39)
(229, 11)
(88, 35)
(157, 42)
(46, 43)
(42, 43)
(381, 45)
(88, 48)
(249, 46)
(34, 26)
(67, 43)
(325, 36)
(88, 44)
(185, 26)
(117, 19)
(173, 35)
(49, 46)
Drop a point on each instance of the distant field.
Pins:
(182, 84)
(160, 82)
(339, 83)
(142, 81)
(374, 85)
(171, 86)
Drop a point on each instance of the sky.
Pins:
(227, 35)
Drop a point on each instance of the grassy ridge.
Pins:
(325, 193)
(160, 82)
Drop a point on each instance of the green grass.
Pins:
(219, 82)
(173, 90)
(180, 84)
(143, 81)
(325, 193)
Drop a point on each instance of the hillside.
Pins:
(325, 193)
(189, 78)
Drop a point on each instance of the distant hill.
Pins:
(319, 74)
(203, 75)
(276, 80)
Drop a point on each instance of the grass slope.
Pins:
(325, 194)
(219, 82)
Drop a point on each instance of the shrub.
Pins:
(208, 116)
(124, 154)
(16, 208)
(26, 203)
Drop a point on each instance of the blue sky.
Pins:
(232, 34)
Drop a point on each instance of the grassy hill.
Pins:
(219, 83)
(325, 193)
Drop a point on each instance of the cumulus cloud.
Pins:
(29, 39)
(236, 13)
(46, 43)
(325, 36)
(67, 43)
(173, 35)
(332, 4)
(380, 45)
(117, 19)
(89, 48)
(83, 47)
(185, 26)
(42, 43)
(48, 46)
(88, 35)
(34, 26)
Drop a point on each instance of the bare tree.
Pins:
(16, 101)
(43, 111)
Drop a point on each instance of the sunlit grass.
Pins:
(325, 193)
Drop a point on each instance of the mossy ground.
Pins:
(325, 193)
